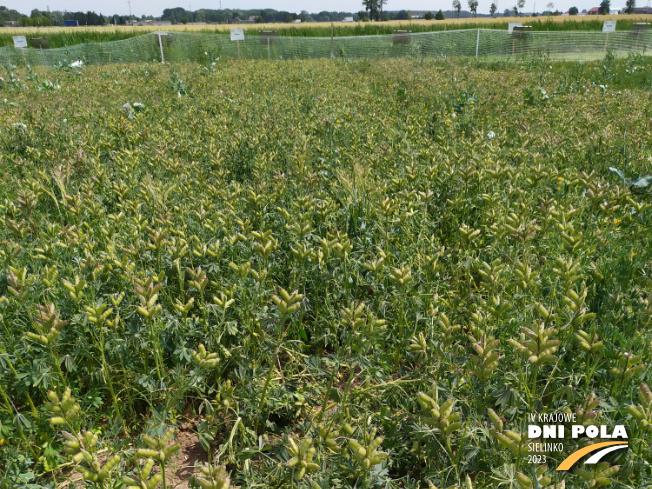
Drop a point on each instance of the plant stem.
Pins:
(328, 393)
(4, 396)
(155, 346)
(109, 382)
(55, 360)
(268, 380)
(163, 475)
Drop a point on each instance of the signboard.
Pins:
(20, 42)
(267, 37)
(402, 37)
(237, 34)
(609, 26)
(162, 33)
(39, 42)
(521, 31)
(511, 26)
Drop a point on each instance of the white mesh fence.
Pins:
(480, 43)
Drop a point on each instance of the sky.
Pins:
(155, 7)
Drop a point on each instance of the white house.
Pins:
(347, 19)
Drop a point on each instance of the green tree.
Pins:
(372, 8)
(457, 6)
(473, 6)
(605, 6)
(428, 16)
(493, 9)
(440, 15)
(573, 11)
(519, 7)
(630, 5)
(380, 6)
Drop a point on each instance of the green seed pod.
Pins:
(91, 476)
(635, 413)
(154, 481)
(495, 419)
(146, 453)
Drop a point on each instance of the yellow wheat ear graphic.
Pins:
(575, 456)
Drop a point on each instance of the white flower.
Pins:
(491, 135)
(19, 125)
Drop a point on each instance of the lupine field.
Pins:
(323, 274)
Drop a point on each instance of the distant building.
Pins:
(643, 10)
(347, 19)
(594, 11)
(148, 22)
(250, 20)
(71, 23)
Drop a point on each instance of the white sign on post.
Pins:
(160, 44)
(511, 26)
(20, 42)
(237, 34)
(609, 26)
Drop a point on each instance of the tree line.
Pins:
(56, 18)
(373, 11)
(180, 15)
(517, 9)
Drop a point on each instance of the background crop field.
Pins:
(323, 274)
(68, 36)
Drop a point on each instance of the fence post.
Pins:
(331, 40)
(268, 51)
(160, 44)
(477, 44)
